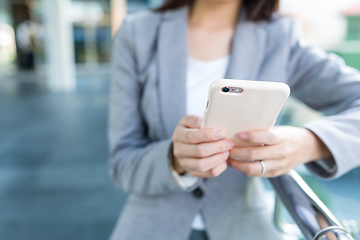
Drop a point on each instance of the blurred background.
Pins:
(54, 84)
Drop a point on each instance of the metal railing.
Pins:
(313, 219)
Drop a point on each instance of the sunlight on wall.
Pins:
(7, 44)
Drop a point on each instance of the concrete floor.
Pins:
(53, 164)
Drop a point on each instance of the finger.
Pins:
(268, 137)
(204, 164)
(194, 136)
(200, 174)
(216, 171)
(255, 168)
(272, 174)
(191, 121)
(211, 173)
(248, 168)
(274, 168)
(202, 150)
(255, 153)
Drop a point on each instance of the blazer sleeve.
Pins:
(326, 84)
(136, 165)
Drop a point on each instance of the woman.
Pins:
(181, 177)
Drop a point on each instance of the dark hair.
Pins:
(256, 10)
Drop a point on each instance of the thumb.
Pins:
(191, 121)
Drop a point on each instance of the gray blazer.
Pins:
(148, 99)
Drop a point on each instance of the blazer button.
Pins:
(198, 193)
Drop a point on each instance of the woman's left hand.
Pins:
(285, 147)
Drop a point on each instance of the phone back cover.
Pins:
(256, 108)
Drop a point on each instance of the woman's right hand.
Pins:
(201, 152)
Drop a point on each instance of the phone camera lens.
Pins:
(225, 89)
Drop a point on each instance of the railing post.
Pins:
(313, 218)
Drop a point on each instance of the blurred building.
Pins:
(90, 22)
(58, 38)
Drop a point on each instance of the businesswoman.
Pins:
(184, 182)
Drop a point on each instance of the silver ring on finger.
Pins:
(263, 171)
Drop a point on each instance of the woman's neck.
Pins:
(214, 14)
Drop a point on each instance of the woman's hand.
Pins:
(285, 147)
(201, 152)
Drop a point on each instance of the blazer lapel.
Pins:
(172, 63)
(247, 52)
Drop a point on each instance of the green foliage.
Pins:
(353, 28)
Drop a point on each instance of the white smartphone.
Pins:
(242, 105)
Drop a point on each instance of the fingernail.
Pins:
(225, 154)
(230, 144)
(243, 136)
(199, 121)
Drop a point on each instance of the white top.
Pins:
(200, 75)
